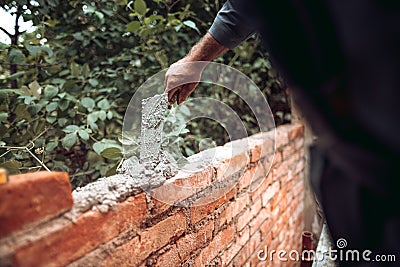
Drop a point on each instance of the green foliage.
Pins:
(66, 84)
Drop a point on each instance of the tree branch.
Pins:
(6, 32)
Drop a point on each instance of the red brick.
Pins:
(277, 160)
(299, 167)
(288, 150)
(236, 158)
(261, 145)
(277, 198)
(296, 131)
(265, 229)
(255, 224)
(33, 197)
(251, 175)
(191, 242)
(88, 232)
(232, 251)
(157, 207)
(282, 137)
(298, 188)
(199, 212)
(280, 170)
(169, 258)
(220, 242)
(255, 207)
(270, 192)
(243, 219)
(233, 208)
(200, 179)
(299, 144)
(170, 193)
(258, 190)
(150, 240)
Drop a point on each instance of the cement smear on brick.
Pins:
(154, 169)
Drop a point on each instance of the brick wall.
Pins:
(39, 225)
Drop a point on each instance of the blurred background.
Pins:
(69, 68)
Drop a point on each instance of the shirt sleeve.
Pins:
(231, 27)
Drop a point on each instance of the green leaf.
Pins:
(69, 140)
(50, 146)
(3, 116)
(111, 153)
(109, 115)
(91, 121)
(191, 24)
(50, 91)
(93, 82)
(71, 129)
(16, 56)
(35, 89)
(88, 103)
(63, 104)
(51, 107)
(75, 69)
(102, 115)
(133, 26)
(140, 7)
(103, 104)
(86, 71)
(34, 50)
(84, 134)
(16, 75)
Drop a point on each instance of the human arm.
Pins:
(228, 30)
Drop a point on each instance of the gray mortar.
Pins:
(154, 169)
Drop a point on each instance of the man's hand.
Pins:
(182, 77)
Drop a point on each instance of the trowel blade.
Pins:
(153, 110)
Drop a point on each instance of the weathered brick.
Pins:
(241, 239)
(233, 208)
(299, 143)
(169, 258)
(199, 212)
(243, 219)
(270, 192)
(156, 206)
(220, 241)
(238, 158)
(261, 145)
(255, 207)
(171, 193)
(288, 150)
(298, 188)
(33, 197)
(200, 178)
(280, 170)
(89, 231)
(258, 190)
(251, 175)
(282, 136)
(265, 230)
(191, 242)
(296, 130)
(255, 224)
(139, 248)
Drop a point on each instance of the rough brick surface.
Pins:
(137, 249)
(29, 198)
(262, 207)
(89, 231)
